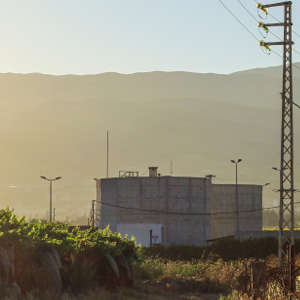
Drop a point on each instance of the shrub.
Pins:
(227, 249)
(42, 234)
(83, 252)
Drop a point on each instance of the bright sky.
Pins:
(95, 36)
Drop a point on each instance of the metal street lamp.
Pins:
(280, 172)
(51, 180)
(237, 196)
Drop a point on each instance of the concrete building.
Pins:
(176, 210)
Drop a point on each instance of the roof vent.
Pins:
(153, 171)
(210, 177)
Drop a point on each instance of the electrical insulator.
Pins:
(266, 47)
(260, 6)
(263, 26)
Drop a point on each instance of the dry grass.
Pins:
(199, 275)
(140, 293)
(230, 278)
(159, 279)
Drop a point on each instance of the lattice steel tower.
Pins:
(286, 244)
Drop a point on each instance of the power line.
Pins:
(189, 214)
(247, 10)
(297, 105)
(249, 31)
(242, 217)
(278, 20)
(238, 20)
(255, 19)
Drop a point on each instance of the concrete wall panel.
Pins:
(193, 200)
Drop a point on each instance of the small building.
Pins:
(176, 210)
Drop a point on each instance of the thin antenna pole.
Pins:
(107, 154)
(171, 167)
(50, 210)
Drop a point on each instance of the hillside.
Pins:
(56, 126)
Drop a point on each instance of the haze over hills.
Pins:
(56, 126)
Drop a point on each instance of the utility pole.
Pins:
(237, 197)
(107, 154)
(286, 240)
(171, 167)
(92, 220)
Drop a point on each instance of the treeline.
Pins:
(270, 218)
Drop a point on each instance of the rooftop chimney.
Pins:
(153, 171)
(210, 177)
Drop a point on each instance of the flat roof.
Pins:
(177, 177)
(167, 176)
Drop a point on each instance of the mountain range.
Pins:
(56, 126)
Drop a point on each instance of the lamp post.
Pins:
(276, 169)
(237, 196)
(280, 173)
(50, 180)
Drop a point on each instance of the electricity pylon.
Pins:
(286, 244)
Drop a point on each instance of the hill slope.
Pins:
(56, 126)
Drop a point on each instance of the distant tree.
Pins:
(270, 218)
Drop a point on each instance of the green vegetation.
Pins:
(43, 234)
(222, 268)
(86, 258)
(202, 276)
(89, 258)
(275, 228)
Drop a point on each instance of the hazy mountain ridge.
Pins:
(56, 125)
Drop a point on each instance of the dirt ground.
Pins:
(143, 290)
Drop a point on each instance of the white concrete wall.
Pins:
(188, 195)
(223, 200)
(167, 194)
(179, 194)
(141, 233)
